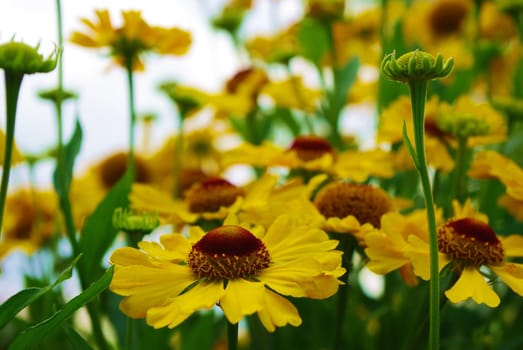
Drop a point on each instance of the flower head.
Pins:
(128, 43)
(239, 269)
(416, 65)
(134, 223)
(466, 243)
(20, 58)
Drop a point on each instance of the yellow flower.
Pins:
(492, 165)
(362, 31)
(29, 220)
(279, 48)
(390, 132)
(16, 157)
(386, 247)
(479, 122)
(466, 243)
(292, 93)
(129, 42)
(240, 270)
(440, 26)
(314, 154)
(216, 198)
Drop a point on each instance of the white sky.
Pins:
(102, 103)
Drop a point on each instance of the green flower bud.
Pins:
(57, 95)
(20, 58)
(135, 223)
(416, 65)
(463, 126)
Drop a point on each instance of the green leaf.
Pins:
(313, 39)
(12, 306)
(33, 335)
(288, 119)
(71, 150)
(343, 80)
(98, 233)
(409, 146)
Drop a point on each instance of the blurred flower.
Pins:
(279, 48)
(313, 154)
(492, 165)
(30, 220)
(129, 42)
(215, 198)
(231, 16)
(362, 31)
(293, 94)
(478, 122)
(17, 156)
(188, 99)
(390, 131)
(440, 26)
(239, 270)
(325, 9)
(90, 187)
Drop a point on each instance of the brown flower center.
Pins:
(228, 252)
(365, 202)
(189, 177)
(113, 167)
(447, 17)
(470, 241)
(211, 194)
(310, 147)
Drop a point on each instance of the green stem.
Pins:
(178, 153)
(132, 116)
(460, 186)
(418, 95)
(347, 246)
(232, 336)
(13, 81)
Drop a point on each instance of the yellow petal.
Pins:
(241, 298)
(511, 274)
(384, 253)
(145, 287)
(278, 312)
(129, 256)
(472, 284)
(176, 310)
(512, 245)
(179, 244)
(418, 252)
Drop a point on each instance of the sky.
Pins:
(102, 88)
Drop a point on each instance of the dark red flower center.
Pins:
(365, 202)
(228, 252)
(470, 241)
(212, 194)
(310, 147)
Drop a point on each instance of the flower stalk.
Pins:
(417, 68)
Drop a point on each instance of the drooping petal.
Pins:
(511, 274)
(385, 255)
(127, 256)
(176, 310)
(145, 287)
(472, 284)
(418, 252)
(241, 298)
(278, 312)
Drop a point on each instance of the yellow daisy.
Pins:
(390, 133)
(314, 154)
(492, 165)
(467, 244)
(238, 269)
(215, 198)
(132, 39)
(30, 220)
(293, 93)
